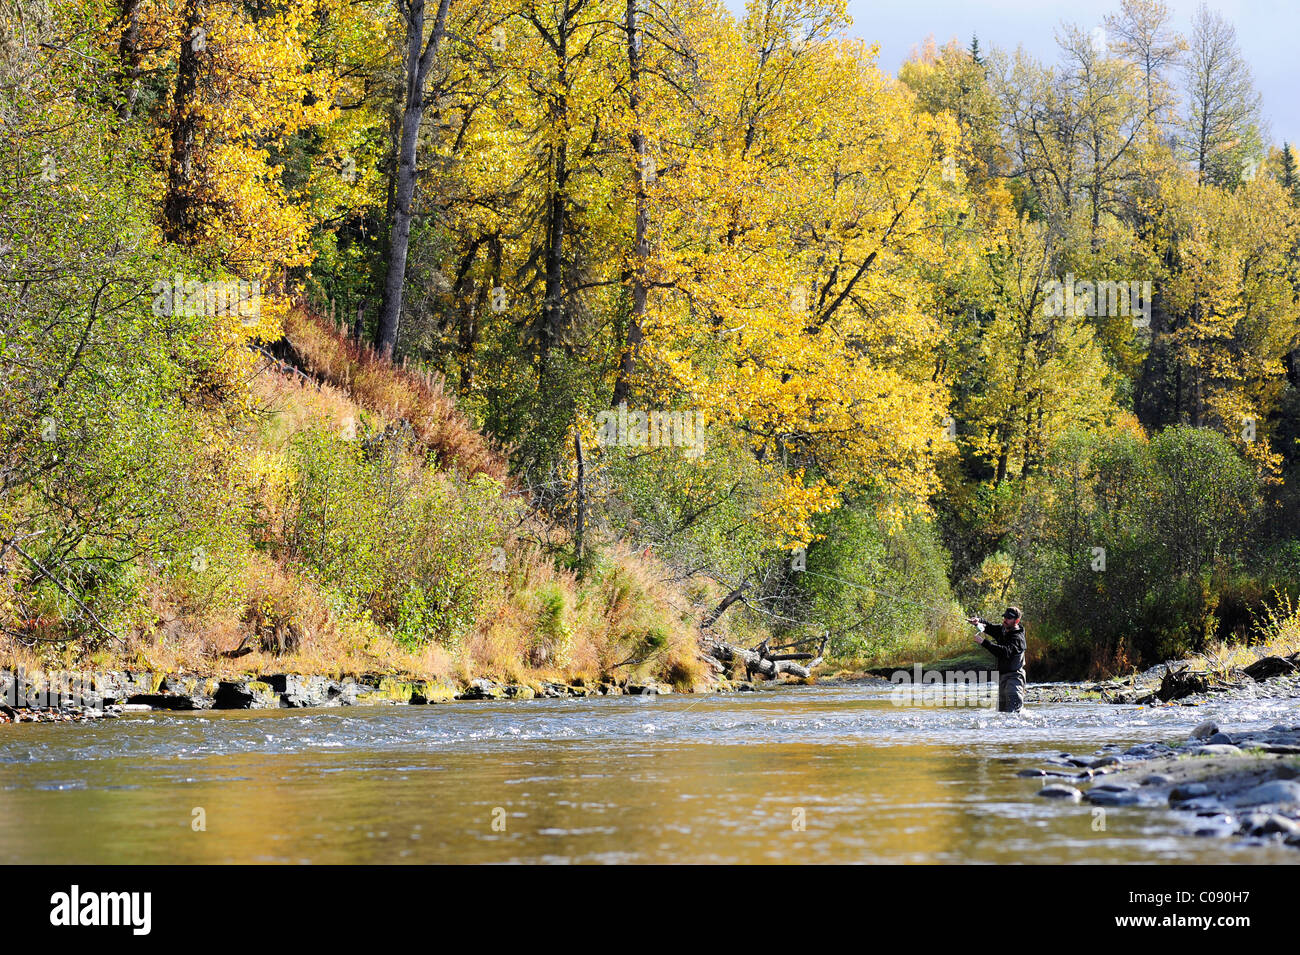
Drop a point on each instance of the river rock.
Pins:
(1277, 791)
(299, 691)
(1221, 738)
(245, 695)
(1265, 824)
(1111, 797)
(482, 689)
(1205, 730)
(1215, 749)
(1148, 750)
(178, 693)
(1157, 779)
(1060, 791)
(1188, 792)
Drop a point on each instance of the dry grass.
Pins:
(1279, 629)
(389, 390)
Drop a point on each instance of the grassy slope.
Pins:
(626, 607)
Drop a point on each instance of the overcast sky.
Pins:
(1268, 31)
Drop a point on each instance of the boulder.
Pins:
(433, 691)
(1205, 730)
(300, 691)
(245, 695)
(482, 689)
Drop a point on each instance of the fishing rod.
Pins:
(882, 593)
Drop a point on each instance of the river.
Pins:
(796, 774)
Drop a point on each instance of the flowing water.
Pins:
(802, 774)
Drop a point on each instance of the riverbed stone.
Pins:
(1221, 738)
(1205, 730)
(1216, 749)
(1111, 797)
(1060, 791)
(1188, 792)
(1274, 792)
(1272, 823)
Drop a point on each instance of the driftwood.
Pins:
(1266, 668)
(1178, 684)
(760, 660)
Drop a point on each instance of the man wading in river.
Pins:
(1008, 645)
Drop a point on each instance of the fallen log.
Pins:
(1266, 668)
(760, 661)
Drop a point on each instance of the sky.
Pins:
(1267, 31)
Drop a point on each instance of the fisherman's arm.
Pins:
(989, 644)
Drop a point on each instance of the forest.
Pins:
(516, 337)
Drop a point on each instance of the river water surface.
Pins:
(800, 774)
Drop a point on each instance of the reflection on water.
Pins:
(672, 779)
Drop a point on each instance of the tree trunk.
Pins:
(128, 54)
(419, 61)
(581, 516)
(640, 239)
(179, 204)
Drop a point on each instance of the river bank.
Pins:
(79, 696)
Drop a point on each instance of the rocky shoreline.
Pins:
(80, 697)
(1243, 784)
(1269, 677)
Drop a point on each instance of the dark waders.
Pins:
(1011, 691)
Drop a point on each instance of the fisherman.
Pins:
(1008, 645)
